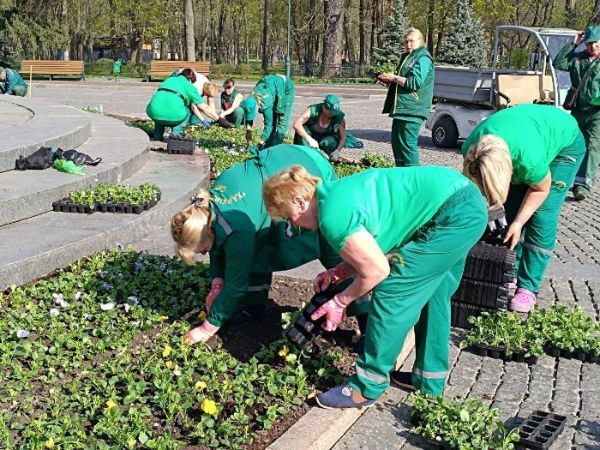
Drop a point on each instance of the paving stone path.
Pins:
(556, 384)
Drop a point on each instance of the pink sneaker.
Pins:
(523, 301)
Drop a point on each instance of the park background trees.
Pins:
(323, 34)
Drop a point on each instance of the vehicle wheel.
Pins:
(444, 133)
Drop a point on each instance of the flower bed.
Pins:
(460, 423)
(93, 358)
(109, 197)
(558, 331)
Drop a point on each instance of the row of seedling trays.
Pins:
(110, 198)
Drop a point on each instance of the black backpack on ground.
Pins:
(42, 159)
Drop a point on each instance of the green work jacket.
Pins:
(172, 101)
(246, 239)
(274, 92)
(227, 100)
(415, 97)
(577, 63)
(13, 79)
(334, 124)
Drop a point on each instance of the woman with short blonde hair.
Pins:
(410, 253)
(525, 158)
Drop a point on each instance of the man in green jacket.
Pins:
(275, 97)
(409, 98)
(231, 101)
(584, 101)
(11, 83)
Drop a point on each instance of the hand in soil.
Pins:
(200, 334)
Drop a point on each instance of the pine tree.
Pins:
(465, 44)
(386, 58)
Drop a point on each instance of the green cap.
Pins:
(332, 102)
(249, 107)
(592, 34)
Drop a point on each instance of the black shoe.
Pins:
(249, 313)
(402, 380)
(579, 193)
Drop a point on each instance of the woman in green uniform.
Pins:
(174, 102)
(275, 97)
(583, 100)
(526, 158)
(231, 103)
(12, 83)
(409, 97)
(411, 253)
(245, 246)
(322, 126)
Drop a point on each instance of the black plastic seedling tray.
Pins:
(495, 227)
(482, 293)
(540, 430)
(500, 353)
(180, 145)
(491, 263)
(578, 354)
(462, 311)
(66, 205)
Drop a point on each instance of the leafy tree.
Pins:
(465, 44)
(386, 58)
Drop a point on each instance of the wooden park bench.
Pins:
(47, 67)
(162, 69)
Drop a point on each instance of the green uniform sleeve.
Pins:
(418, 73)
(216, 268)
(268, 123)
(563, 59)
(12, 81)
(281, 103)
(532, 168)
(193, 95)
(238, 254)
(338, 224)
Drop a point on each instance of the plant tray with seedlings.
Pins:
(500, 353)
(108, 197)
(540, 430)
(181, 145)
(482, 293)
(579, 354)
(66, 205)
(491, 263)
(462, 311)
(449, 423)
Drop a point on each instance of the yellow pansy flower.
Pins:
(49, 443)
(169, 364)
(109, 405)
(202, 316)
(284, 351)
(162, 318)
(209, 406)
(131, 442)
(291, 358)
(200, 385)
(167, 351)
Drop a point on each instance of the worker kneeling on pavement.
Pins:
(12, 83)
(231, 223)
(322, 126)
(526, 158)
(409, 252)
(175, 102)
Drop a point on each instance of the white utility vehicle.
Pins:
(464, 97)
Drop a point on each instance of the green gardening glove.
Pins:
(69, 167)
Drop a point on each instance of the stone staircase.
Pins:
(34, 240)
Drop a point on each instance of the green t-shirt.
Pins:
(391, 204)
(332, 129)
(535, 135)
(167, 106)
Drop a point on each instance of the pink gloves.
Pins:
(200, 334)
(334, 275)
(215, 290)
(334, 312)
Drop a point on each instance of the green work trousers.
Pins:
(589, 124)
(424, 273)
(20, 90)
(326, 143)
(405, 134)
(539, 233)
(236, 117)
(281, 121)
(177, 127)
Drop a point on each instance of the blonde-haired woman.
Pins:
(403, 233)
(525, 158)
(231, 223)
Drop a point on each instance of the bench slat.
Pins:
(49, 67)
(160, 68)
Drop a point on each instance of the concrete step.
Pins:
(123, 149)
(34, 247)
(49, 125)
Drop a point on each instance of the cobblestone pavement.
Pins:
(564, 386)
(556, 384)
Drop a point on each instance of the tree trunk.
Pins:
(595, 19)
(65, 23)
(190, 38)
(265, 37)
(430, 25)
(362, 36)
(373, 26)
(332, 33)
